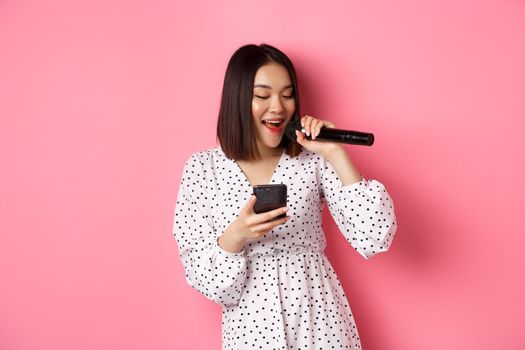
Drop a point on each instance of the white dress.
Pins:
(280, 291)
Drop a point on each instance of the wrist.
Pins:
(334, 152)
(231, 242)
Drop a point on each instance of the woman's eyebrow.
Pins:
(269, 87)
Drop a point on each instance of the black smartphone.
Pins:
(269, 197)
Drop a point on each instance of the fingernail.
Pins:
(285, 209)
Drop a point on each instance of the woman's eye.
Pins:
(265, 97)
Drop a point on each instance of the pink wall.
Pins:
(101, 102)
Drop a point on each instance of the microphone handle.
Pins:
(344, 136)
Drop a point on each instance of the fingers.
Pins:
(251, 225)
(256, 219)
(313, 126)
(267, 216)
(248, 207)
(264, 228)
(316, 127)
(306, 121)
(329, 124)
(299, 136)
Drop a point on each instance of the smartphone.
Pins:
(270, 197)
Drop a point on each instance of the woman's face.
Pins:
(273, 100)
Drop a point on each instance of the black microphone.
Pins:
(332, 135)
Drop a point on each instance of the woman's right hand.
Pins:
(250, 225)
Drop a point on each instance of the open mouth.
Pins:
(273, 124)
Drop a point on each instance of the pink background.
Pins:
(101, 102)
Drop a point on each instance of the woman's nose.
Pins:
(277, 106)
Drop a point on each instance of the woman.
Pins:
(272, 278)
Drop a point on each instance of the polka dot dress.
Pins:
(280, 291)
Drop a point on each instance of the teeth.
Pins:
(272, 122)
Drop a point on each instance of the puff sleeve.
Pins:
(215, 273)
(363, 211)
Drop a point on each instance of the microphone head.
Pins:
(289, 130)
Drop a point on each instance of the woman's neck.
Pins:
(268, 152)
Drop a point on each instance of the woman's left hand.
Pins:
(312, 126)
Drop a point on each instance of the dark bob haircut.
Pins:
(235, 127)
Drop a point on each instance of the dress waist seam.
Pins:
(274, 253)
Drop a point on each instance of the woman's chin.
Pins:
(273, 143)
(270, 141)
